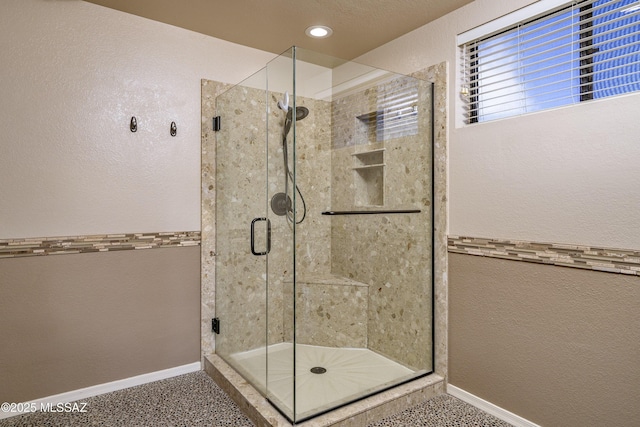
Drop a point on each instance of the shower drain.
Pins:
(318, 370)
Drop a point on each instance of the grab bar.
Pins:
(372, 212)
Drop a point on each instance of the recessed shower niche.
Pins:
(318, 239)
(369, 177)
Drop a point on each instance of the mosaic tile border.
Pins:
(622, 261)
(39, 246)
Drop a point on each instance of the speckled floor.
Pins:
(442, 411)
(187, 400)
(195, 400)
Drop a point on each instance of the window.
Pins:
(587, 50)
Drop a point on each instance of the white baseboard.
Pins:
(488, 407)
(99, 389)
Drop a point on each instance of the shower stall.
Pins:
(324, 231)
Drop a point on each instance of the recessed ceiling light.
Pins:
(318, 31)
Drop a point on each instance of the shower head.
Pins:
(281, 202)
(301, 113)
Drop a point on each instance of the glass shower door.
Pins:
(255, 225)
(242, 232)
(282, 213)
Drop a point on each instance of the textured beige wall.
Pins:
(557, 346)
(74, 321)
(69, 165)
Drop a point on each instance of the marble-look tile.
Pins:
(331, 313)
(241, 275)
(437, 74)
(391, 253)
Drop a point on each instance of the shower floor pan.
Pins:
(326, 377)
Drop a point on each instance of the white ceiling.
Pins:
(275, 25)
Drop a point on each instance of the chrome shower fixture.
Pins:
(281, 203)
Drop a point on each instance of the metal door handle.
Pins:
(253, 226)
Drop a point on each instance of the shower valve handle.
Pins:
(253, 227)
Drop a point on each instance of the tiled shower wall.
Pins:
(242, 283)
(391, 253)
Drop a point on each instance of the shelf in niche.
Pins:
(369, 158)
(381, 165)
(361, 153)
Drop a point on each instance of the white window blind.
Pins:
(396, 114)
(585, 50)
(397, 109)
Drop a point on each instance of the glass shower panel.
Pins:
(363, 261)
(283, 214)
(241, 228)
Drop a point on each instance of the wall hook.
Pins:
(174, 129)
(134, 124)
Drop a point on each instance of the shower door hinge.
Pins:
(215, 325)
(216, 123)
